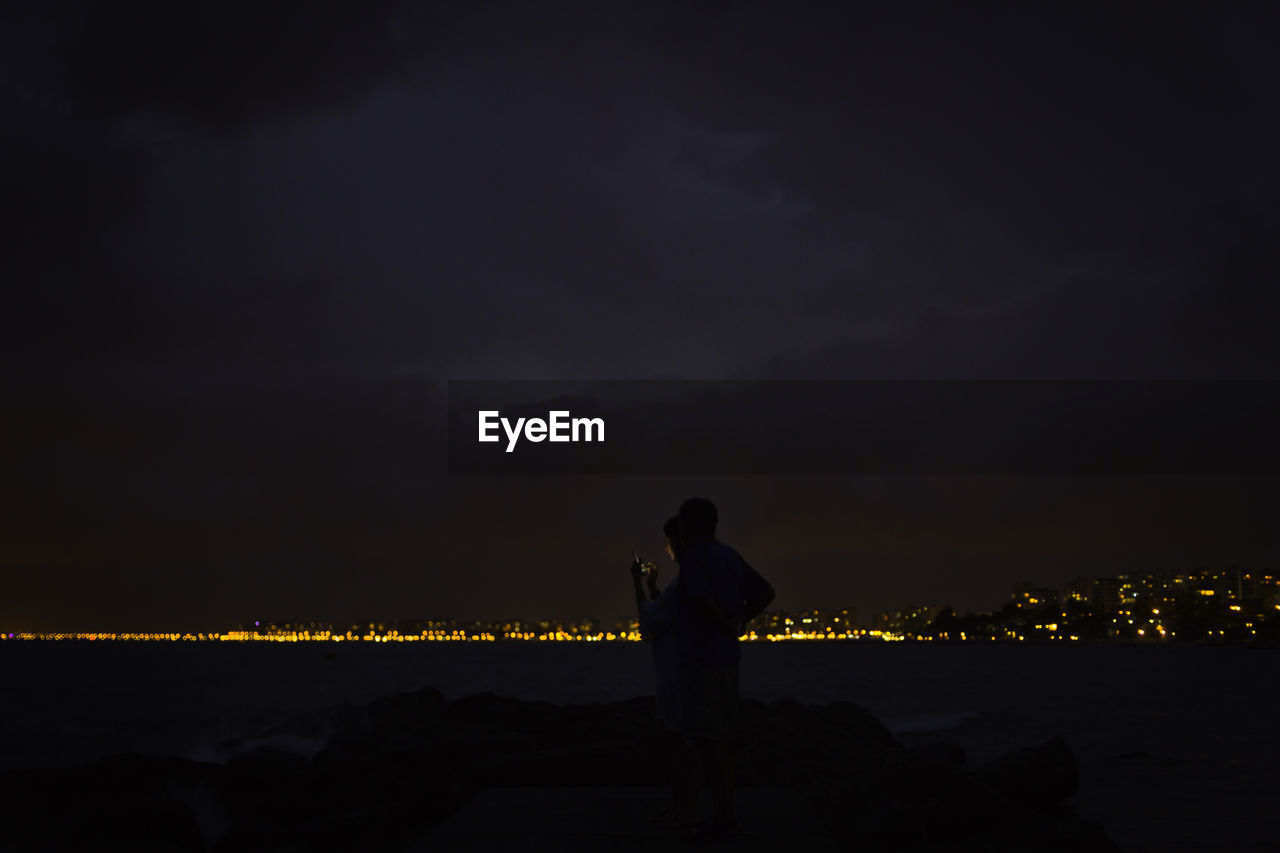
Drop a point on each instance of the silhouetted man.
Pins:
(718, 592)
(658, 611)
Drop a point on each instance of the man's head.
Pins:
(672, 531)
(698, 519)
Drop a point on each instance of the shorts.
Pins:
(709, 696)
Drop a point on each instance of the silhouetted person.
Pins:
(718, 593)
(657, 613)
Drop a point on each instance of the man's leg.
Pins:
(729, 817)
(717, 762)
(707, 715)
(727, 683)
(684, 779)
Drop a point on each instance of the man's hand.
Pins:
(652, 579)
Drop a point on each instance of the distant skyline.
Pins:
(1215, 605)
(248, 248)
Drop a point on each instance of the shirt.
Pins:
(657, 621)
(714, 571)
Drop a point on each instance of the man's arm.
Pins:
(641, 598)
(696, 587)
(755, 606)
(759, 593)
(713, 614)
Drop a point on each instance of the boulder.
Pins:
(964, 807)
(1040, 776)
(857, 721)
(407, 711)
(134, 823)
(393, 768)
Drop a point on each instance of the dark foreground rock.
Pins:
(391, 770)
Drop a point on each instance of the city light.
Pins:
(1223, 605)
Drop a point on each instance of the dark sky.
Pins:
(245, 245)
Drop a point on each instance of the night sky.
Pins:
(245, 246)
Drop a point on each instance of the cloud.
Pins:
(217, 67)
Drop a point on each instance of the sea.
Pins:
(1177, 744)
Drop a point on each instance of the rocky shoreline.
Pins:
(391, 770)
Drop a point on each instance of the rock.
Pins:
(923, 769)
(392, 769)
(132, 800)
(259, 840)
(1087, 837)
(857, 721)
(491, 708)
(135, 823)
(348, 722)
(970, 846)
(615, 763)
(318, 726)
(596, 721)
(964, 807)
(1039, 777)
(883, 824)
(407, 711)
(149, 774)
(266, 781)
(789, 710)
(264, 762)
(944, 752)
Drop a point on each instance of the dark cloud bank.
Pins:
(248, 246)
